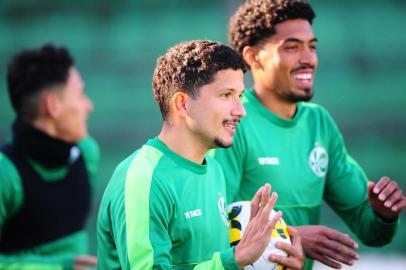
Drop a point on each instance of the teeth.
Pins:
(303, 76)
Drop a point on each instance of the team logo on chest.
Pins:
(318, 160)
(221, 203)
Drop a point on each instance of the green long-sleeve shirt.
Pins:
(58, 254)
(306, 162)
(163, 211)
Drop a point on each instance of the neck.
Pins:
(274, 103)
(34, 143)
(45, 126)
(178, 139)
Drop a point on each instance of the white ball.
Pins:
(239, 215)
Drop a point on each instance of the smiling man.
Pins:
(164, 207)
(296, 146)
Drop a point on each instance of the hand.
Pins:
(85, 262)
(259, 229)
(386, 199)
(295, 258)
(328, 246)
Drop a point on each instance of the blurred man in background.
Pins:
(164, 207)
(296, 146)
(45, 170)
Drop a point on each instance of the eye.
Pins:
(226, 95)
(291, 48)
(313, 47)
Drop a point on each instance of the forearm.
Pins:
(368, 227)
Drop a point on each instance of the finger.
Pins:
(399, 206)
(325, 260)
(255, 203)
(340, 250)
(265, 195)
(387, 191)
(295, 238)
(393, 198)
(343, 239)
(290, 250)
(270, 223)
(289, 262)
(268, 208)
(371, 186)
(381, 184)
(339, 257)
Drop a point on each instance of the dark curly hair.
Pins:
(255, 20)
(188, 66)
(33, 70)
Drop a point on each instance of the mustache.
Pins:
(303, 67)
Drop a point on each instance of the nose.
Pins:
(89, 105)
(308, 56)
(239, 109)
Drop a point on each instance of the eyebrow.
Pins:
(291, 39)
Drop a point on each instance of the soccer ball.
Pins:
(239, 215)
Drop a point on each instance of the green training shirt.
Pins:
(56, 255)
(163, 211)
(306, 162)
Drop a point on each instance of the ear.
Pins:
(51, 104)
(179, 105)
(250, 56)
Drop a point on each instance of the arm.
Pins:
(353, 207)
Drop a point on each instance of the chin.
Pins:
(222, 144)
(303, 97)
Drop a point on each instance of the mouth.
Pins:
(230, 124)
(304, 77)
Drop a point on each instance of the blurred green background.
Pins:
(360, 80)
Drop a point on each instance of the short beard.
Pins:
(297, 98)
(220, 144)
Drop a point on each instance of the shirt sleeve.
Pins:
(232, 161)
(346, 192)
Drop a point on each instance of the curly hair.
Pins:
(255, 20)
(188, 66)
(33, 70)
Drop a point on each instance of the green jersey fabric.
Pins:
(306, 162)
(163, 211)
(55, 255)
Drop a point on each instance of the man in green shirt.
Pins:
(45, 170)
(296, 146)
(164, 206)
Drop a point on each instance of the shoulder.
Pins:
(89, 149)
(315, 111)
(11, 190)
(8, 172)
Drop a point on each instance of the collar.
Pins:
(48, 151)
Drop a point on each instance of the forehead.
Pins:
(74, 84)
(299, 29)
(224, 80)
